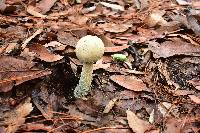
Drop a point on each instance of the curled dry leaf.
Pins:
(11, 78)
(129, 82)
(15, 71)
(43, 54)
(136, 124)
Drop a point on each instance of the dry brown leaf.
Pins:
(78, 19)
(36, 126)
(15, 71)
(196, 4)
(173, 47)
(16, 117)
(56, 45)
(107, 41)
(155, 18)
(99, 64)
(136, 124)
(141, 4)
(75, 112)
(129, 82)
(173, 126)
(2, 5)
(194, 24)
(10, 78)
(195, 99)
(115, 28)
(44, 6)
(143, 35)
(115, 48)
(197, 87)
(31, 10)
(43, 54)
(66, 38)
(120, 41)
(79, 32)
(9, 63)
(187, 37)
(12, 34)
(47, 112)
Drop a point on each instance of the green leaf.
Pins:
(119, 57)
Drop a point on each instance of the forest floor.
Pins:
(148, 80)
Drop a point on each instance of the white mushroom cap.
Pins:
(89, 49)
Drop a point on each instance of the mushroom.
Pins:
(89, 49)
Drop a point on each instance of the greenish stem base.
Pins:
(83, 87)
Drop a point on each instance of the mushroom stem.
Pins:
(85, 81)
